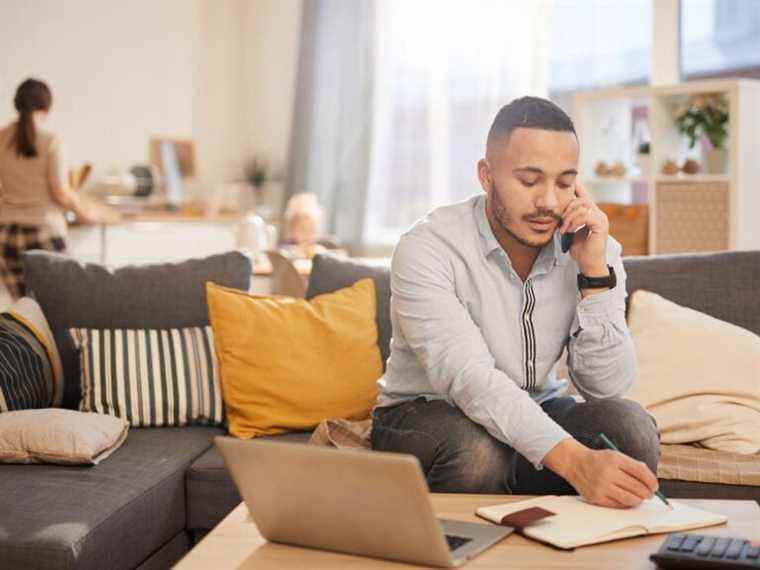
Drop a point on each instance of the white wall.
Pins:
(271, 32)
(120, 71)
(221, 125)
(221, 71)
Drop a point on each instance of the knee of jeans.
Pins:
(477, 464)
(633, 430)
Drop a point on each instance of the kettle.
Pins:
(254, 235)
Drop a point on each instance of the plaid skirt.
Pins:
(15, 239)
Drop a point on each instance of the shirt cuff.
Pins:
(600, 307)
(551, 434)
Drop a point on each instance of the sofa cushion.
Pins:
(692, 463)
(169, 377)
(698, 376)
(31, 375)
(286, 364)
(211, 493)
(86, 295)
(170, 553)
(723, 284)
(330, 273)
(64, 437)
(113, 515)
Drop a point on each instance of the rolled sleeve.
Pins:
(455, 356)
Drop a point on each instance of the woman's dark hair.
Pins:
(32, 95)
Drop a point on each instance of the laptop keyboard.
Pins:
(456, 541)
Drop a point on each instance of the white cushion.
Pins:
(697, 375)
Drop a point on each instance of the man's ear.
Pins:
(484, 175)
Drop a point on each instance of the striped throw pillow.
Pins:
(30, 368)
(150, 377)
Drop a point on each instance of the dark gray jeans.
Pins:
(460, 456)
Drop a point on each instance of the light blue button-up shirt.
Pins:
(467, 329)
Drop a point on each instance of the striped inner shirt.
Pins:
(529, 336)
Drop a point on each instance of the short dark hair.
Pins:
(528, 113)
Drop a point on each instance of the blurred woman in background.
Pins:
(34, 192)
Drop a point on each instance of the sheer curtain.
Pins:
(331, 141)
(442, 69)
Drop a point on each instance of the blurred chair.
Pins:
(285, 277)
(330, 243)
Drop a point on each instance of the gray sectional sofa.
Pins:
(147, 504)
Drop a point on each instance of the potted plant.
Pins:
(257, 175)
(705, 118)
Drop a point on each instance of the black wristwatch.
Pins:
(597, 282)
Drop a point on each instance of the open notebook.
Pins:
(577, 523)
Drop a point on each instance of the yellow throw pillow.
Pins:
(286, 364)
(697, 375)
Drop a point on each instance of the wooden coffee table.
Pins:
(236, 542)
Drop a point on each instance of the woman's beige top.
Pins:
(26, 183)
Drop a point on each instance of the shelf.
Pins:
(604, 180)
(648, 91)
(607, 121)
(600, 180)
(680, 177)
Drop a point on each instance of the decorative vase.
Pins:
(715, 160)
(253, 235)
(246, 199)
(645, 165)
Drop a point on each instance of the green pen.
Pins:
(608, 443)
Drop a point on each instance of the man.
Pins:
(483, 303)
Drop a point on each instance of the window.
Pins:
(599, 43)
(720, 37)
(442, 71)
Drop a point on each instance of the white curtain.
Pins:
(331, 140)
(442, 69)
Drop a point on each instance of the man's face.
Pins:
(532, 180)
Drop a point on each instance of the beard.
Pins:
(507, 222)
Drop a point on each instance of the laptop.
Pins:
(367, 503)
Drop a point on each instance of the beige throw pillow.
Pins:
(697, 375)
(53, 435)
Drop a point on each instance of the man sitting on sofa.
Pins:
(484, 301)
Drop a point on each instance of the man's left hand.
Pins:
(589, 248)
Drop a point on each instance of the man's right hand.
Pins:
(602, 477)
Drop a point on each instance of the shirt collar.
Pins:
(487, 239)
(490, 244)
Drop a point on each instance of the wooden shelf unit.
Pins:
(700, 212)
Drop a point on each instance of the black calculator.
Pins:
(705, 551)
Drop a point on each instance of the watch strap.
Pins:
(610, 280)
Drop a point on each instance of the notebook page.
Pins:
(577, 523)
(682, 517)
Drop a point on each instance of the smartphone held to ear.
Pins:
(567, 238)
